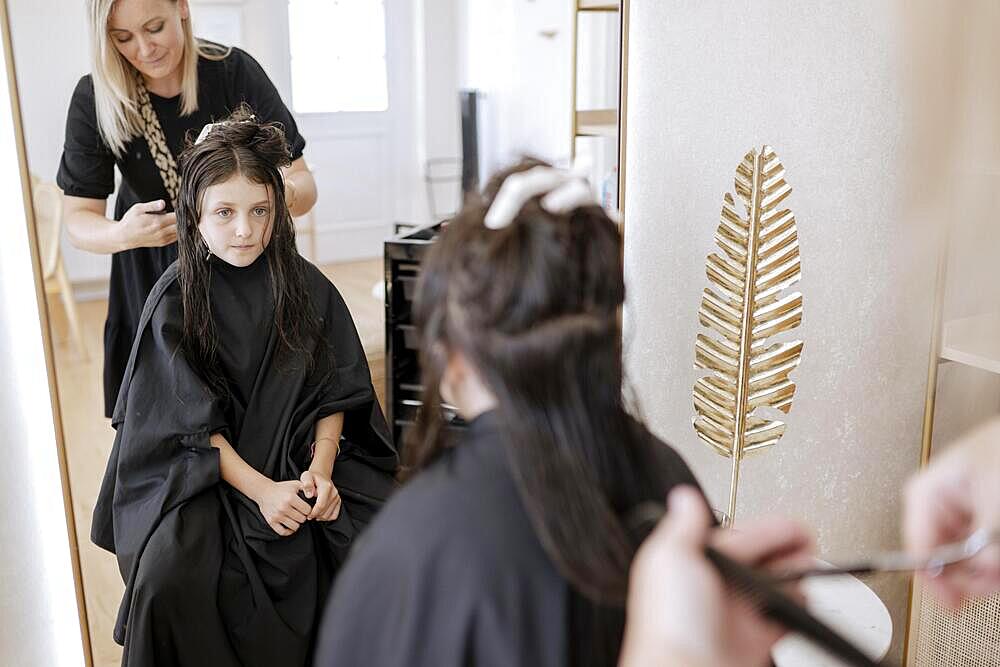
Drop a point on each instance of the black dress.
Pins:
(451, 573)
(208, 582)
(87, 170)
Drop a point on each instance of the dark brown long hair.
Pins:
(256, 151)
(535, 308)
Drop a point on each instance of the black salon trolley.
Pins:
(404, 254)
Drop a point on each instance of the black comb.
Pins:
(761, 592)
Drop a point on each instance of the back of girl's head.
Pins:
(545, 275)
(239, 146)
(534, 307)
(522, 301)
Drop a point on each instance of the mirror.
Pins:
(400, 104)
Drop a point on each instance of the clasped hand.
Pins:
(285, 511)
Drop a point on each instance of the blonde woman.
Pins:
(151, 83)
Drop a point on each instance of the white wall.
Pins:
(820, 83)
(438, 47)
(47, 77)
(526, 76)
(437, 64)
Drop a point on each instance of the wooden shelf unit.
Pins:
(597, 6)
(606, 123)
(597, 123)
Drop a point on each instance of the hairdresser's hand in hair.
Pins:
(282, 507)
(680, 612)
(958, 494)
(145, 225)
(319, 486)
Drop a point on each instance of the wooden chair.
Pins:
(47, 202)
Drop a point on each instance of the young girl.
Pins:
(517, 539)
(250, 446)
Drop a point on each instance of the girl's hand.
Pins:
(144, 225)
(282, 508)
(319, 486)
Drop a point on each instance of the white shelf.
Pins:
(973, 341)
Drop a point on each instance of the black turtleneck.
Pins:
(243, 308)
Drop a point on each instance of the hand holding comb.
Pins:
(760, 589)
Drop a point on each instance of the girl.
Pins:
(151, 82)
(517, 540)
(250, 447)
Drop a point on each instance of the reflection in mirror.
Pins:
(449, 87)
(598, 62)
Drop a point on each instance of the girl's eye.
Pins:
(156, 28)
(224, 212)
(123, 40)
(260, 211)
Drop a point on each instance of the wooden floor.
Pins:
(88, 435)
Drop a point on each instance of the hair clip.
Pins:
(564, 191)
(205, 131)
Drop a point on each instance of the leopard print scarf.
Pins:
(157, 142)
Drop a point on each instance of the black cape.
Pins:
(207, 580)
(451, 573)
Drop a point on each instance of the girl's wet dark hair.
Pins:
(257, 151)
(535, 308)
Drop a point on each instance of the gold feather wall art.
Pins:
(746, 306)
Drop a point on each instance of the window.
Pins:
(338, 55)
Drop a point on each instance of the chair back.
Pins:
(47, 200)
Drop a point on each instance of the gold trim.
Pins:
(915, 596)
(930, 394)
(597, 6)
(29, 211)
(914, 593)
(622, 108)
(574, 36)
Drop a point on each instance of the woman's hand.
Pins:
(319, 486)
(144, 225)
(957, 494)
(282, 507)
(680, 612)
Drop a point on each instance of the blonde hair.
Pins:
(116, 83)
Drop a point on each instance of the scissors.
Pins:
(900, 561)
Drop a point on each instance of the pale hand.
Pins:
(680, 612)
(956, 495)
(144, 225)
(282, 507)
(319, 486)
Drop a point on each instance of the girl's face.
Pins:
(236, 217)
(149, 34)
